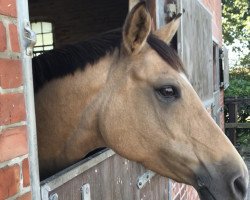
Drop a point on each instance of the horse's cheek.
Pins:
(108, 116)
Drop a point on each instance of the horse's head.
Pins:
(150, 113)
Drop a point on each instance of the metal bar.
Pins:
(23, 15)
(237, 125)
(207, 103)
(160, 14)
(45, 190)
(169, 189)
(69, 173)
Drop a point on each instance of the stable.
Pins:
(103, 174)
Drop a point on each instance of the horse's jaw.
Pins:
(205, 194)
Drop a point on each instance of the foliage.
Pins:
(239, 82)
(245, 58)
(236, 21)
(240, 87)
(236, 28)
(243, 137)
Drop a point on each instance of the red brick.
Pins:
(192, 193)
(9, 181)
(10, 73)
(222, 97)
(183, 190)
(13, 143)
(178, 197)
(184, 197)
(3, 40)
(26, 175)
(8, 7)
(26, 196)
(215, 9)
(14, 38)
(12, 108)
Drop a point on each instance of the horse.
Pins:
(127, 90)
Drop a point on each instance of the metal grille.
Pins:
(44, 36)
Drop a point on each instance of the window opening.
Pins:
(44, 37)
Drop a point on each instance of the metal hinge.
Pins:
(142, 180)
(30, 38)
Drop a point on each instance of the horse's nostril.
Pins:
(240, 187)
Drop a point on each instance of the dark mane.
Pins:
(60, 62)
(166, 52)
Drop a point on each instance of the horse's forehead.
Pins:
(150, 64)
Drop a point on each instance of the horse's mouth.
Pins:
(205, 194)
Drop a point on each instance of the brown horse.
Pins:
(127, 90)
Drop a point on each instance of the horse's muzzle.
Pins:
(226, 185)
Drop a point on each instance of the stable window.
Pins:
(221, 68)
(44, 36)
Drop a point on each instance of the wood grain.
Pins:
(196, 46)
(114, 179)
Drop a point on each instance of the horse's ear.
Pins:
(167, 32)
(136, 28)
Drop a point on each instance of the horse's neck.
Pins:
(65, 133)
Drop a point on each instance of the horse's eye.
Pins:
(168, 93)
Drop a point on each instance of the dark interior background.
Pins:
(77, 20)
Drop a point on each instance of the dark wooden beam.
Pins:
(237, 125)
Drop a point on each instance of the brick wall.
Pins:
(14, 165)
(215, 8)
(183, 192)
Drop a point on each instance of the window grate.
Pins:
(44, 36)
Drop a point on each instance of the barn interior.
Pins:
(61, 22)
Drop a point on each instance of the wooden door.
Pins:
(195, 46)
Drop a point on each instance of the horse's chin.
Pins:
(205, 194)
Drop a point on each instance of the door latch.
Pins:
(142, 180)
(85, 192)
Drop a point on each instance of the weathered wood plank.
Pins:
(237, 125)
(241, 100)
(225, 68)
(195, 46)
(216, 67)
(216, 110)
(112, 179)
(233, 112)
